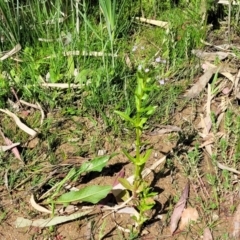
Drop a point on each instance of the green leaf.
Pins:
(125, 183)
(142, 122)
(146, 157)
(146, 204)
(144, 96)
(108, 8)
(82, 76)
(125, 116)
(90, 26)
(151, 110)
(68, 177)
(96, 165)
(132, 159)
(70, 66)
(148, 110)
(92, 194)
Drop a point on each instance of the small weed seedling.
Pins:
(141, 192)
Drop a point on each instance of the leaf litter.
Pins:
(236, 223)
(207, 235)
(188, 215)
(48, 222)
(178, 209)
(19, 123)
(13, 147)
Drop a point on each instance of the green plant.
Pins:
(141, 192)
(9, 25)
(91, 193)
(108, 8)
(191, 166)
(213, 181)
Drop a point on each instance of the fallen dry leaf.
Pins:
(198, 87)
(224, 69)
(23, 222)
(211, 56)
(21, 125)
(178, 209)
(226, 90)
(236, 87)
(223, 167)
(120, 174)
(16, 49)
(62, 85)
(88, 232)
(89, 54)
(236, 223)
(13, 149)
(228, 76)
(223, 47)
(189, 214)
(37, 206)
(68, 210)
(147, 171)
(153, 22)
(209, 139)
(207, 235)
(129, 210)
(6, 148)
(165, 129)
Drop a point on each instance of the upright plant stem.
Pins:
(138, 168)
(112, 43)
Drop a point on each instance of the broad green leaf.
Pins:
(125, 183)
(125, 116)
(92, 194)
(96, 165)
